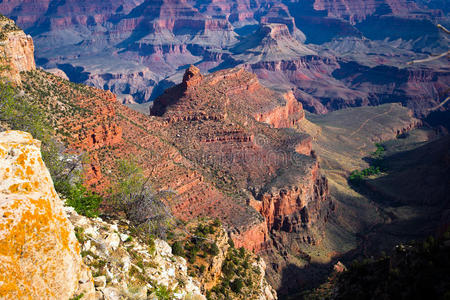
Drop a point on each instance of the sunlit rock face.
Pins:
(39, 253)
(16, 50)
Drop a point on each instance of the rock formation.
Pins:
(16, 50)
(205, 144)
(40, 256)
(289, 44)
(124, 266)
(221, 117)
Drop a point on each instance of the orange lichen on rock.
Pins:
(39, 254)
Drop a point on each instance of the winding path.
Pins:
(370, 119)
(440, 105)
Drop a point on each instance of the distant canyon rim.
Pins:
(332, 54)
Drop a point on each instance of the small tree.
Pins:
(237, 285)
(143, 207)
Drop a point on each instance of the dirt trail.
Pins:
(370, 119)
(440, 105)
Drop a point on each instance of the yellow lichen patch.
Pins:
(21, 159)
(39, 254)
(19, 173)
(14, 188)
(29, 171)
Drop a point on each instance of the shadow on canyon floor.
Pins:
(411, 200)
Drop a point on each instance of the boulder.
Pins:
(39, 253)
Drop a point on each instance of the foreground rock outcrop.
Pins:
(125, 267)
(39, 253)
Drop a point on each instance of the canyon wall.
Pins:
(254, 146)
(151, 44)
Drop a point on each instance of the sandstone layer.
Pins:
(40, 256)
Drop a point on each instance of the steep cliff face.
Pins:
(16, 50)
(224, 116)
(293, 208)
(40, 254)
(152, 41)
(356, 11)
(285, 116)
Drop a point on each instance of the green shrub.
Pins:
(202, 269)
(213, 249)
(237, 285)
(177, 249)
(216, 222)
(241, 252)
(230, 242)
(84, 202)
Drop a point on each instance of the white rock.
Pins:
(139, 293)
(171, 272)
(100, 282)
(163, 248)
(112, 241)
(124, 237)
(92, 231)
(126, 261)
(111, 293)
(87, 245)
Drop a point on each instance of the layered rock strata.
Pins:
(223, 117)
(205, 145)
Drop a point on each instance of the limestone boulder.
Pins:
(39, 253)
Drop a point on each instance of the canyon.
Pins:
(231, 168)
(236, 144)
(314, 47)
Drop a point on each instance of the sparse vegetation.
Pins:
(133, 195)
(84, 201)
(418, 270)
(77, 297)
(163, 293)
(238, 276)
(19, 113)
(356, 177)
